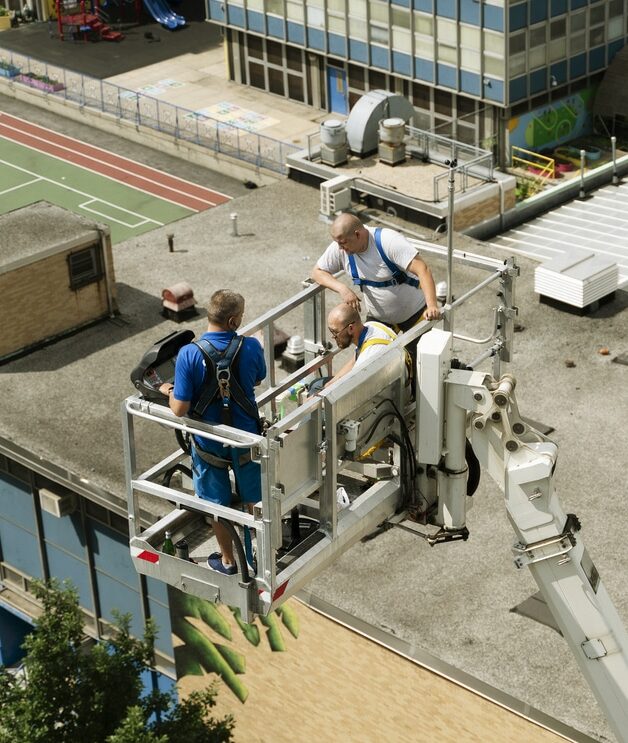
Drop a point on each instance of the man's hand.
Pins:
(350, 297)
(166, 388)
(432, 313)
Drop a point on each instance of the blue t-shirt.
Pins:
(189, 375)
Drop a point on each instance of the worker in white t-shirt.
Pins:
(396, 284)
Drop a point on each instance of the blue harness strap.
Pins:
(220, 383)
(398, 275)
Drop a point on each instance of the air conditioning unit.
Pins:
(336, 195)
(55, 504)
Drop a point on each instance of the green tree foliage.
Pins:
(71, 693)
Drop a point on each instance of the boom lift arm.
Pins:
(548, 542)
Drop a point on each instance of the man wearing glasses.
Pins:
(397, 286)
(346, 328)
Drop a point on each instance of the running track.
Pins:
(96, 160)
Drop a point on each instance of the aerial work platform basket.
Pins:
(357, 435)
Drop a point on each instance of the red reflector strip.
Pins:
(279, 592)
(148, 556)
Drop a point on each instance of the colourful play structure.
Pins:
(85, 20)
(76, 23)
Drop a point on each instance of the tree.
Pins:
(71, 693)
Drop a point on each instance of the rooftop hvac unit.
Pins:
(391, 148)
(334, 147)
(336, 195)
(57, 505)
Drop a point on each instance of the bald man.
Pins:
(397, 286)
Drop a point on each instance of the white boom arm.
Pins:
(548, 540)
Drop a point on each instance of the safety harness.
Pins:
(221, 384)
(398, 275)
(363, 344)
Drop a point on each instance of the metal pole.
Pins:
(234, 224)
(614, 155)
(583, 155)
(451, 185)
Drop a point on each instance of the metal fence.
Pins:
(148, 111)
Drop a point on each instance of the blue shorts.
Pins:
(213, 483)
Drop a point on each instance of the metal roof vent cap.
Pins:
(392, 131)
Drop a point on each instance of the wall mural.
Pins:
(554, 124)
(195, 621)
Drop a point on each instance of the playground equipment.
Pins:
(82, 25)
(162, 13)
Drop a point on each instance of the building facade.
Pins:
(470, 67)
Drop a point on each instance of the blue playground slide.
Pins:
(162, 13)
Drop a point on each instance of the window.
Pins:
(85, 266)
(294, 11)
(538, 48)
(274, 6)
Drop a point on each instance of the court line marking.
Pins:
(82, 193)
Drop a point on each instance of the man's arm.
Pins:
(328, 280)
(422, 271)
(342, 372)
(178, 407)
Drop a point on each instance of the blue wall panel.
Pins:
(118, 596)
(403, 3)
(256, 21)
(425, 5)
(402, 63)
(597, 58)
(518, 89)
(217, 11)
(13, 631)
(111, 553)
(613, 48)
(235, 15)
(493, 17)
(518, 17)
(424, 69)
(66, 532)
(161, 615)
(316, 38)
(379, 57)
(470, 82)
(275, 27)
(470, 12)
(62, 565)
(578, 66)
(575, 4)
(337, 45)
(447, 76)
(538, 81)
(20, 549)
(16, 502)
(558, 7)
(495, 92)
(296, 33)
(358, 51)
(446, 8)
(538, 11)
(559, 71)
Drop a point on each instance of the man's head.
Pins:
(344, 324)
(226, 309)
(349, 233)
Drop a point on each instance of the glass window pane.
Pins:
(315, 17)
(401, 40)
(470, 37)
(447, 31)
(493, 42)
(357, 29)
(295, 88)
(596, 36)
(400, 17)
(338, 5)
(337, 25)
(517, 65)
(518, 43)
(558, 49)
(256, 75)
(494, 66)
(256, 48)
(470, 60)
(423, 46)
(423, 24)
(615, 27)
(357, 8)
(447, 54)
(295, 11)
(275, 81)
(274, 53)
(379, 34)
(577, 43)
(537, 36)
(558, 28)
(596, 15)
(274, 6)
(615, 7)
(537, 57)
(578, 21)
(379, 11)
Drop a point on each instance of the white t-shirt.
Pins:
(391, 304)
(373, 331)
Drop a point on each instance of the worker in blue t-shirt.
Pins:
(210, 459)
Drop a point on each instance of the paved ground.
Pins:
(455, 600)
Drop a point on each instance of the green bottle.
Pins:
(168, 547)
